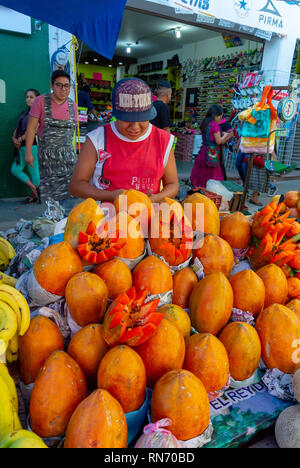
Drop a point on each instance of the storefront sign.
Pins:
(267, 16)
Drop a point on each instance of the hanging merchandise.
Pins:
(219, 81)
(287, 109)
(259, 121)
(60, 60)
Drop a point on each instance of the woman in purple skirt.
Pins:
(208, 162)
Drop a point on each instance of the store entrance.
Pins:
(201, 65)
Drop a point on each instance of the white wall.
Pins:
(278, 59)
(11, 20)
(59, 38)
(2, 92)
(198, 50)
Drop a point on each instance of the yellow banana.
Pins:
(8, 322)
(4, 260)
(16, 435)
(8, 248)
(11, 301)
(14, 344)
(6, 279)
(16, 421)
(23, 306)
(3, 348)
(10, 385)
(7, 410)
(10, 356)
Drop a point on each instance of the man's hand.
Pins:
(155, 198)
(29, 159)
(116, 193)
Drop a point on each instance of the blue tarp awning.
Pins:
(95, 22)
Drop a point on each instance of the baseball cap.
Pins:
(132, 101)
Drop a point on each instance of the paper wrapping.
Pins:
(279, 384)
(173, 269)
(34, 293)
(239, 315)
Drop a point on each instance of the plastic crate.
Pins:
(217, 199)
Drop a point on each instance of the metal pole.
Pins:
(250, 165)
(75, 46)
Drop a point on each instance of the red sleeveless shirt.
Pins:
(126, 164)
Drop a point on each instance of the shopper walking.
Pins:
(55, 114)
(129, 153)
(19, 163)
(208, 162)
(163, 118)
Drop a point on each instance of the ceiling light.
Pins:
(86, 63)
(128, 50)
(120, 63)
(95, 60)
(110, 65)
(178, 33)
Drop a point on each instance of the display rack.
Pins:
(153, 78)
(174, 75)
(214, 78)
(100, 92)
(171, 74)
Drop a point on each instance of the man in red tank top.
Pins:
(129, 153)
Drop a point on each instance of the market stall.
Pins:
(171, 325)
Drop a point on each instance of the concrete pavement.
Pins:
(11, 210)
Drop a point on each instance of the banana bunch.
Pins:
(22, 439)
(9, 419)
(14, 321)
(7, 253)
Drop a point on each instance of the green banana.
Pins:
(28, 442)
(6, 279)
(16, 435)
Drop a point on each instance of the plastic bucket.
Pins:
(135, 419)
